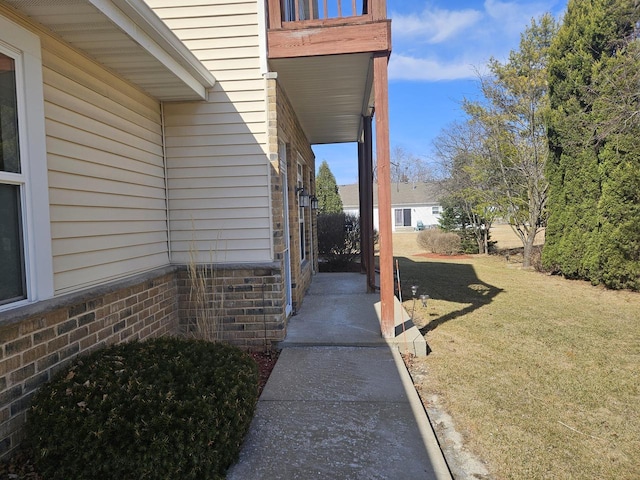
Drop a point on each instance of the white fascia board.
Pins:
(143, 26)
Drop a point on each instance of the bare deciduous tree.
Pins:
(515, 145)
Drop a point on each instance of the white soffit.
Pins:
(328, 93)
(127, 37)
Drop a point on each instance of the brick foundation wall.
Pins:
(245, 304)
(40, 339)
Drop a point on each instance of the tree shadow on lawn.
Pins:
(448, 281)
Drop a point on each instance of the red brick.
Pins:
(9, 333)
(57, 343)
(34, 354)
(9, 365)
(78, 334)
(17, 345)
(88, 342)
(32, 324)
(22, 373)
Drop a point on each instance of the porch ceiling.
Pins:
(328, 93)
(127, 37)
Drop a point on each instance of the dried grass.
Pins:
(541, 374)
(206, 307)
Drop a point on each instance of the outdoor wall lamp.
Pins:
(314, 203)
(414, 290)
(424, 299)
(303, 196)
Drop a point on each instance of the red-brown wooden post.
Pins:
(380, 85)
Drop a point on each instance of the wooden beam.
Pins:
(327, 22)
(380, 85)
(336, 40)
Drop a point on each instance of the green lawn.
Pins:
(540, 374)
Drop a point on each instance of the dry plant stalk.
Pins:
(207, 324)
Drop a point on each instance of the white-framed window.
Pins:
(435, 210)
(301, 222)
(25, 238)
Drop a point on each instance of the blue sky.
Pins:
(439, 47)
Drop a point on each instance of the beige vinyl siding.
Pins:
(106, 173)
(218, 170)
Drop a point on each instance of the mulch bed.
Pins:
(20, 466)
(266, 361)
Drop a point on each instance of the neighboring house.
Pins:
(138, 137)
(412, 204)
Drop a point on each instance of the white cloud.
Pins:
(404, 67)
(448, 44)
(514, 16)
(434, 25)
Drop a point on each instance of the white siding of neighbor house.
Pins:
(424, 214)
(106, 172)
(418, 212)
(218, 170)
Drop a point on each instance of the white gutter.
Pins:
(166, 181)
(262, 37)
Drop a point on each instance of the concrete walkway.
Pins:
(339, 403)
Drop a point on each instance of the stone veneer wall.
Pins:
(245, 302)
(40, 339)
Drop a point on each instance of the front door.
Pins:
(282, 153)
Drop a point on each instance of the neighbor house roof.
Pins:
(419, 193)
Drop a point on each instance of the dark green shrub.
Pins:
(338, 239)
(164, 408)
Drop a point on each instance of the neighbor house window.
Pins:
(435, 210)
(25, 238)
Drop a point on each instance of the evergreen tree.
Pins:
(455, 218)
(592, 229)
(329, 200)
(615, 82)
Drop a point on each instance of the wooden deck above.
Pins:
(299, 28)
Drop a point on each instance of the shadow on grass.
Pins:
(448, 281)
